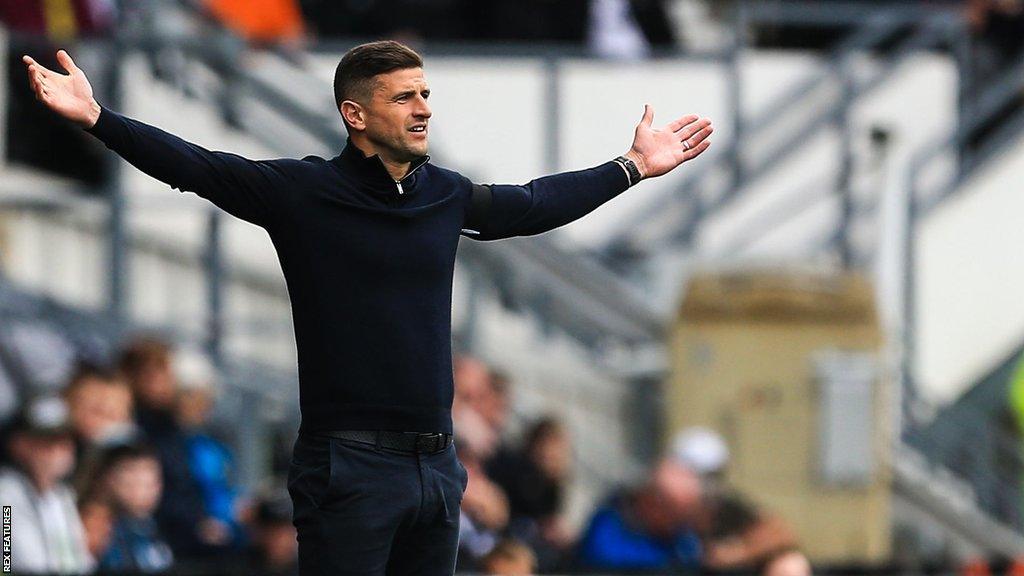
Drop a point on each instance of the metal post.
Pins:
(843, 179)
(962, 48)
(909, 320)
(116, 222)
(734, 81)
(213, 261)
(552, 116)
(251, 443)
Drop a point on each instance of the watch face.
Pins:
(631, 169)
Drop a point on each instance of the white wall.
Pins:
(970, 278)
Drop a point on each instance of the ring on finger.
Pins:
(686, 145)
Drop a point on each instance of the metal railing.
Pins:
(673, 219)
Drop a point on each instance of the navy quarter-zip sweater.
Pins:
(368, 261)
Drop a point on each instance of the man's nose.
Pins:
(422, 109)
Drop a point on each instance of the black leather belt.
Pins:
(413, 442)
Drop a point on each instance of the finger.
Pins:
(648, 117)
(697, 138)
(33, 65)
(696, 151)
(65, 60)
(679, 123)
(695, 127)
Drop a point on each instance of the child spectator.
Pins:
(130, 478)
(147, 364)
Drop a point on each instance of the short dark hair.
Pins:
(355, 72)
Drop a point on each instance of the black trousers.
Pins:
(359, 510)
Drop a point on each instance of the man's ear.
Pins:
(353, 114)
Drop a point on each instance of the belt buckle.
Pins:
(427, 442)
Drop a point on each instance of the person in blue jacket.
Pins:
(651, 527)
(367, 244)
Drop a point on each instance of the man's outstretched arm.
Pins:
(242, 187)
(501, 211)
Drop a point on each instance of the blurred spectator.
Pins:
(651, 527)
(190, 530)
(210, 461)
(408, 20)
(264, 22)
(509, 558)
(472, 389)
(49, 537)
(536, 481)
(614, 28)
(34, 135)
(274, 547)
(787, 563)
(484, 513)
(629, 29)
(476, 414)
(735, 533)
(998, 27)
(100, 407)
(60, 20)
(130, 478)
(496, 404)
(98, 521)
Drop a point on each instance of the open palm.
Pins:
(657, 152)
(69, 95)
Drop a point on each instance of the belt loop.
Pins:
(376, 444)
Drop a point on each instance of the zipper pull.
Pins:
(399, 184)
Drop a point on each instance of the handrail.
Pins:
(1008, 86)
(876, 29)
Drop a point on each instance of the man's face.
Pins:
(395, 117)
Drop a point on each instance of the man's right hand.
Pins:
(68, 95)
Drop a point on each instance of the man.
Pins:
(47, 536)
(735, 532)
(367, 244)
(648, 528)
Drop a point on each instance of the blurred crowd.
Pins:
(679, 515)
(124, 470)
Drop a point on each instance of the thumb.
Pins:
(65, 60)
(648, 118)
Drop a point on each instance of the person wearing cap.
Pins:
(735, 532)
(46, 532)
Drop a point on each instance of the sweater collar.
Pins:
(371, 169)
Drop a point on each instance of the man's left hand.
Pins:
(657, 152)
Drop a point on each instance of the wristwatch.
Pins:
(632, 172)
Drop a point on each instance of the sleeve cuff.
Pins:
(104, 125)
